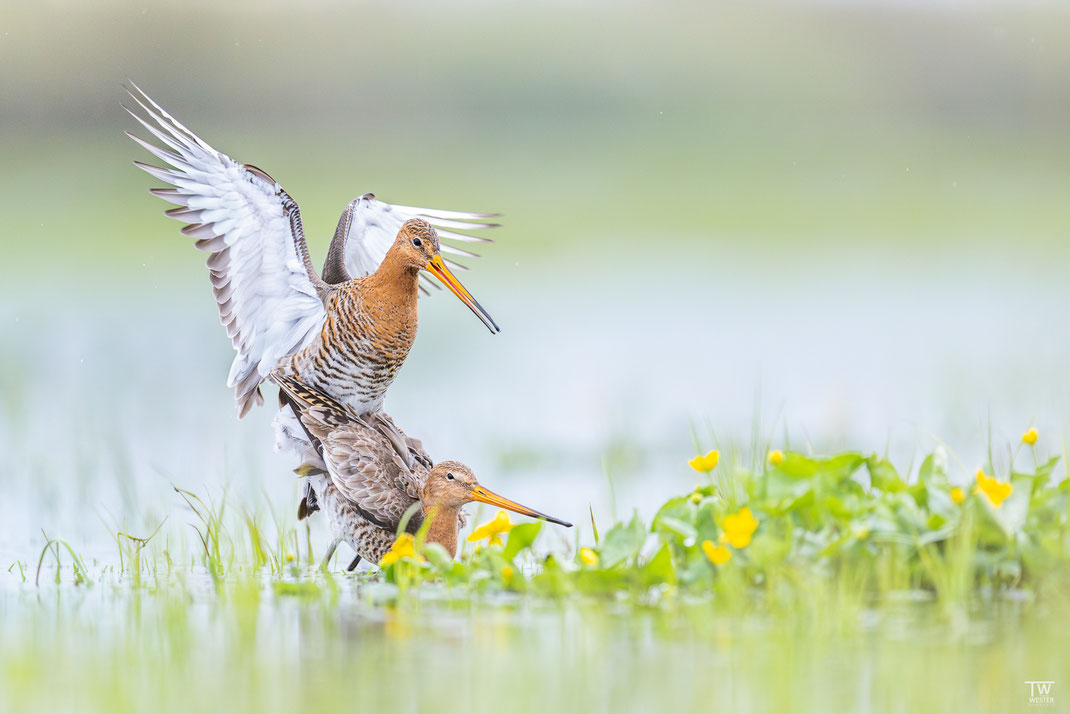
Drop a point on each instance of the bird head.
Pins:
(418, 248)
(417, 242)
(452, 484)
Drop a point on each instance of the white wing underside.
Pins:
(375, 225)
(269, 296)
(260, 273)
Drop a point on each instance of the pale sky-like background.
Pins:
(847, 220)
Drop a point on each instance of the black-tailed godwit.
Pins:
(365, 488)
(346, 333)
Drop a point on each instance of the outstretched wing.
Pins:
(369, 226)
(268, 293)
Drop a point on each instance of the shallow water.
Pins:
(588, 396)
(181, 643)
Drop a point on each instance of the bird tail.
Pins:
(309, 502)
(311, 401)
(308, 505)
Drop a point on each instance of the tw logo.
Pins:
(1040, 692)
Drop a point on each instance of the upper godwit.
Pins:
(366, 488)
(347, 333)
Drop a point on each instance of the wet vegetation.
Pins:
(848, 525)
(760, 567)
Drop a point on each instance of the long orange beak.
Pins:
(438, 268)
(485, 495)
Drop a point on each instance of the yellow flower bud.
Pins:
(958, 495)
(776, 456)
(1030, 437)
(589, 557)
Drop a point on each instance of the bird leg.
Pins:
(353, 565)
(330, 554)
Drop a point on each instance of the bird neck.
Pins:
(395, 278)
(443, 526)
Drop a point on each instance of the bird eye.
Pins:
(449, 476)
(417, 242)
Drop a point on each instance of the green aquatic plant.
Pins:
(849, 527)
(797, 522)
(792, 571)
(81, 573)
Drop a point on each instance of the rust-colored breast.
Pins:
(369, 330)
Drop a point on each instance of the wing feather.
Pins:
(363, 464)
(438, 213)
(369, 226)
(367, 471)
(269, 296)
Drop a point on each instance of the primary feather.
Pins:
(368, 227)
(270, 299)
(268, 294)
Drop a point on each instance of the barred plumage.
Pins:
(365, 487)
(349, 335)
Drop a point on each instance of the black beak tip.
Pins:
(487, 320)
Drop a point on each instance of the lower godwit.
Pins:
(366, 489)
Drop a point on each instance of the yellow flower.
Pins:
(718, 554)
(997, 491)
(403, 548)
(739, 527)
(1030, 437)
(289, 557)
(706, 463)
(589, 557)
(508, 573)
(492, 530)
(958, 495)
(776, 456)
(696, 497)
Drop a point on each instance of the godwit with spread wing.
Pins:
(346, 334)
(366, 488)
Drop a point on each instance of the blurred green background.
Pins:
(794, 224)
(843, 221)
(844, 126)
